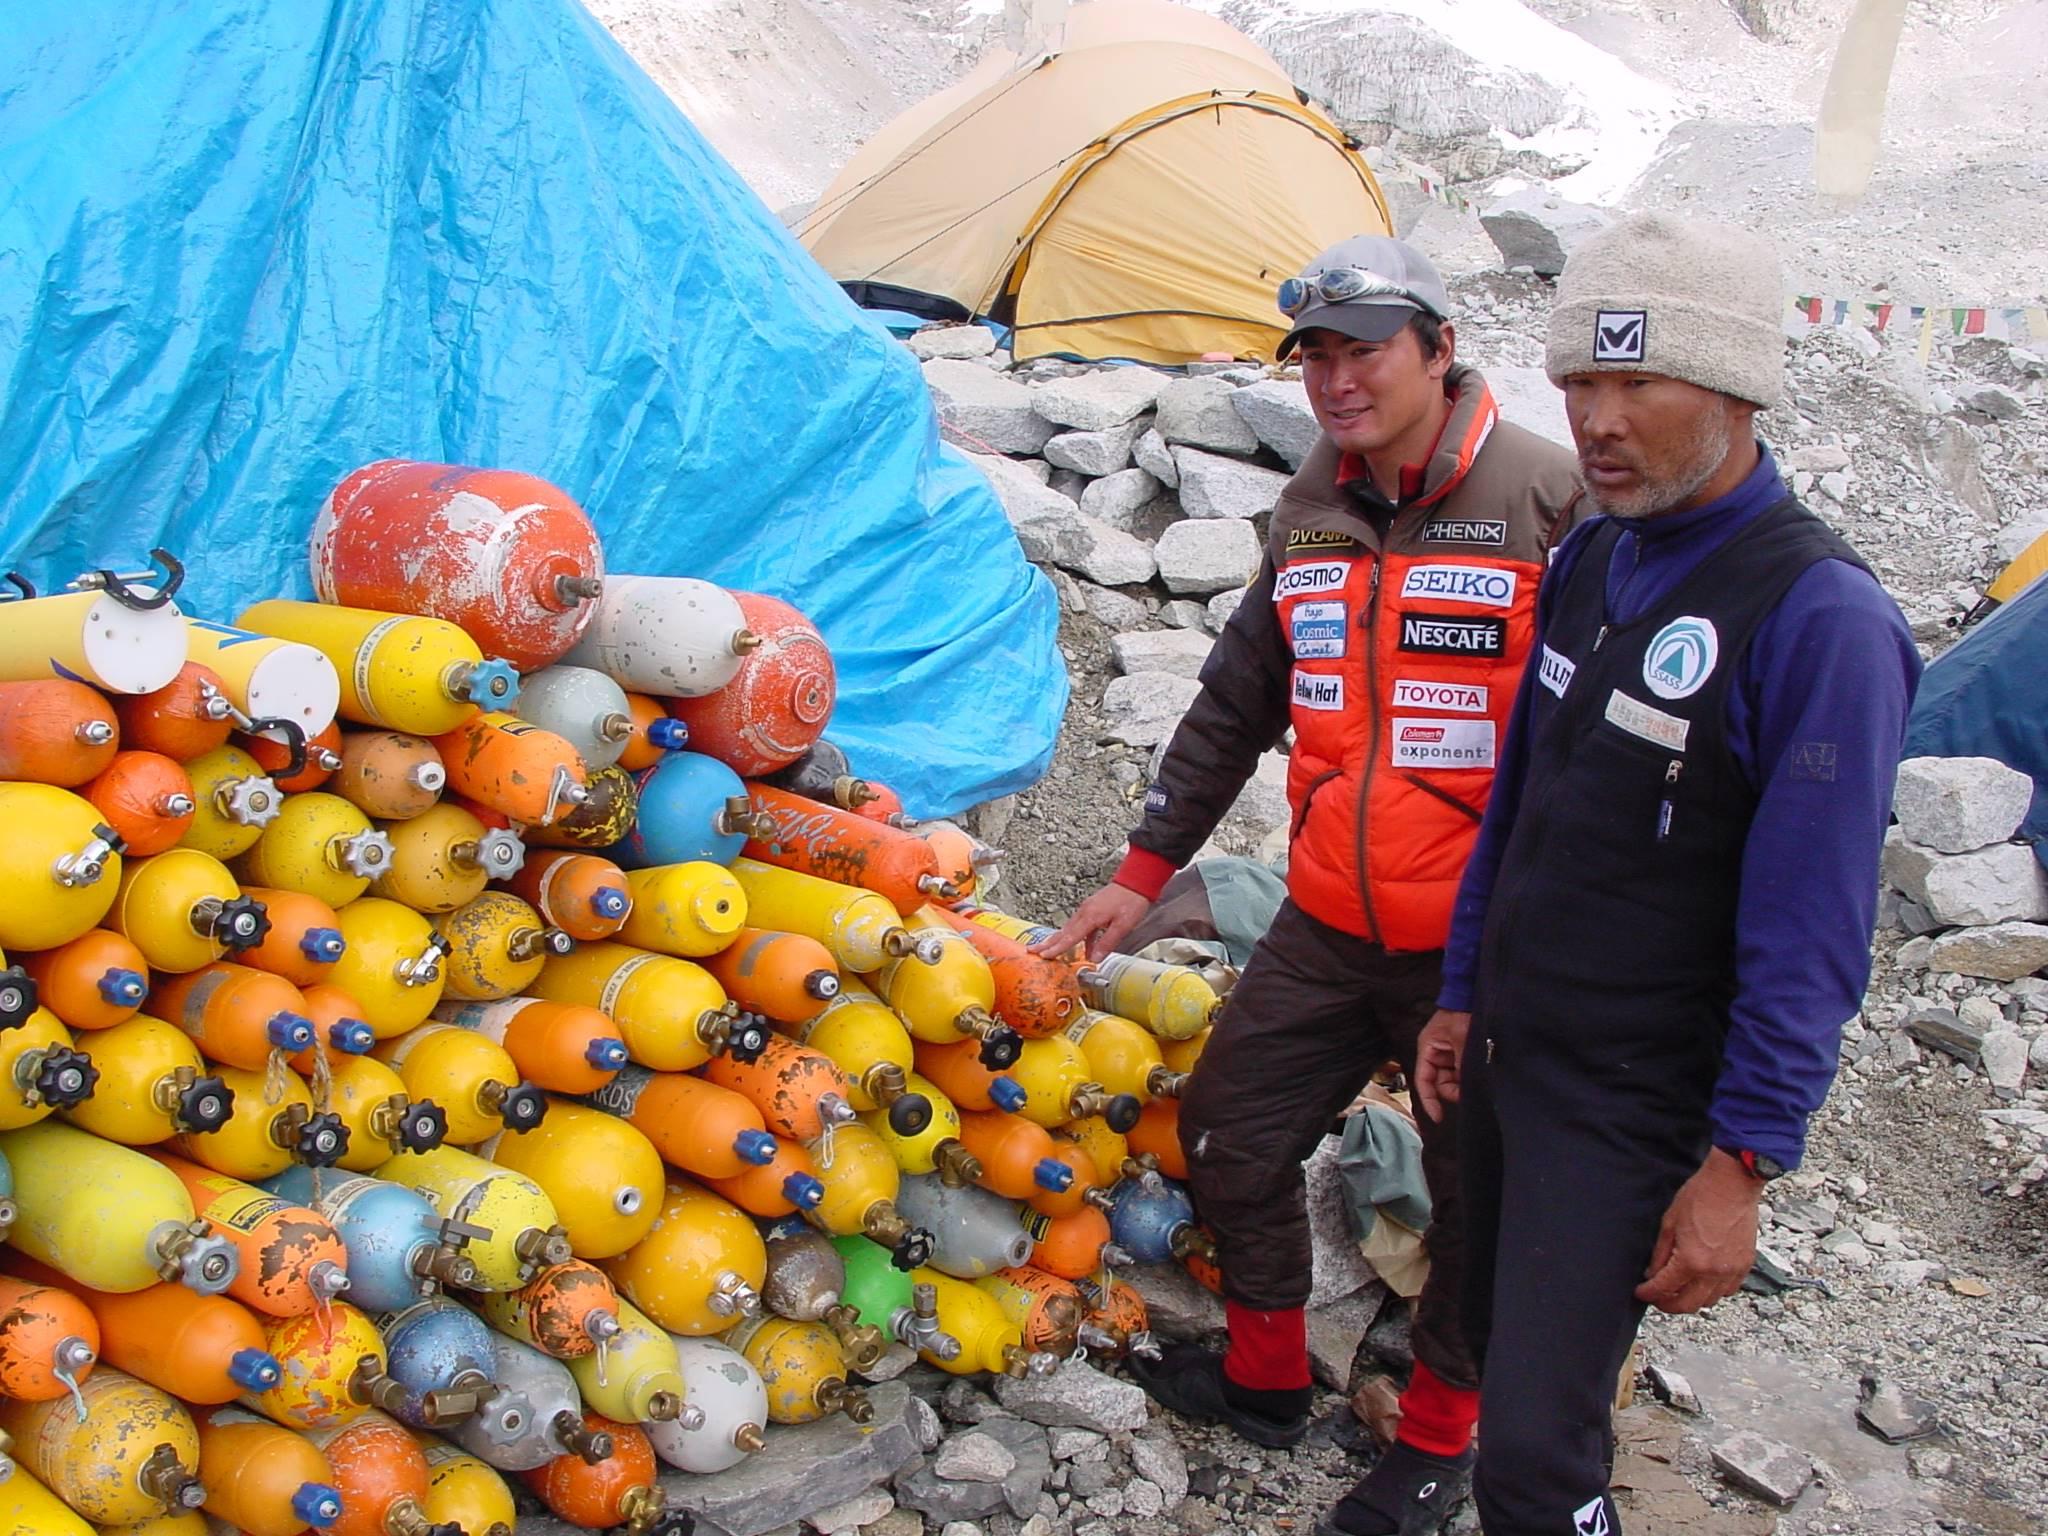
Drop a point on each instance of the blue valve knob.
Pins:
(757, 1147)
(802, 1191)
(323, 946)
(122, 987)
(352, 1037)
(317, 1504)
(289, 1032)
(668, 733)
(609, 901)
(1007, 1094)
(1052, 1174)
(255, 1370)
(606, 1053)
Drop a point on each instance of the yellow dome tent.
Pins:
(1136, 190)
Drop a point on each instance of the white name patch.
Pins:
(1460, 698)
(1312, 690)
(1481, 584)
(1311, 576)
(1555, 672)
(1443, 743)
(1317, 629)
(1652, 725)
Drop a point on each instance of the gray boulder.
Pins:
(1179, 651)
(1999, 952)
(987, 409)
(1120, 499)
(1531, 228)
(1153, 456)
(1213, 486)
(1278, 412)
(1096, 453)
(1141, 710)
(1207, 554)
(951, 341)
(1198, 412)
(1957, 804)
(1097, 401)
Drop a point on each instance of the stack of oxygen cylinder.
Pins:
(475, 1024)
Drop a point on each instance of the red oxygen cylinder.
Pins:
(96, 981)
(776, 704)
(146, 798)
(515, 768)
(882, 802)
(54, 731)
(188, 716)
(832, 844)
(581, 894)
(508, 557)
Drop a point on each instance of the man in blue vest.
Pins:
(1667, 918)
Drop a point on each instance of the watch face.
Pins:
(1768, 1168)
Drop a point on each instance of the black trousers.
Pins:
(1314, 1015)
(1564, 1196)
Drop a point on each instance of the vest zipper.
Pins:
(1372, 748)
(1672, 771)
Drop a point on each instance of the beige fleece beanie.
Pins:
(1691, 299)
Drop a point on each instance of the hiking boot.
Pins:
(1407, 1493)
(1189, 1379)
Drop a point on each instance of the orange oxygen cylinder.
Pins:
(1086, 1178)
(692, 910)
(333, 1368)
(145, 797)
(798, 1092)
(496, 946)
(1034, 995)
(53, 731)
(567, 1310)
(654, 734)
(949, 998)
(622, 1493)
(465, 1492)
(322, 757)
(272, 1124)
(556, 1046)
(183, 910)
(263, 1479)
(1157, 1135)
(473, 1080)
(785, 976)
(610, 809)
(697, 1126)
(381, 1117)
(292, 1259)
(785, 1184)
(380, 1473)
(961, 856)
(1018, 1158)
(96, 981)
(871, 1046)
(965, 1079)
(1116, 1322)
(49, 1340)
(585, 896)
(1070, 1246)
(517, 769)
(233, 801)
(837, 845)
(1046, 1310)
(670, 1013)
(392, 966)
(507, 556)
(443, 858)
(203, 1349)
(122, 1450)
(236, 1014)
(777, 702)
(304, 939)
(188, 716)
(337, 1020)
(389, 775)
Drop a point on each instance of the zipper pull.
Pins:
(1601, 637)
(1665, 807)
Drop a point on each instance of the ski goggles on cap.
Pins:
(1344, 285)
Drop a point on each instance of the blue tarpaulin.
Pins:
(1982, 698)
(249, 245)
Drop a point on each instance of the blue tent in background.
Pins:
(249, 245)
(1983, 697)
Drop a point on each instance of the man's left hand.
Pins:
(1708, 1240)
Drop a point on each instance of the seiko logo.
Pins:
(1319, 538)
(1453, 637)
(1485, 585)
(1310, 577)
(1460, 698)
(1313, 691)
(1466, 530)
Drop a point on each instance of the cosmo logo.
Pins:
(1461, 698)
(1310, 577)
(1481, 584)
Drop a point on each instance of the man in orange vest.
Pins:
(1388, 626)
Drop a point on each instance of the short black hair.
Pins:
(1429, 332)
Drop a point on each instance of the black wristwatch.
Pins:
(1760, 1166)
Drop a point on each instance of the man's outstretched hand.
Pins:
(1708, 1240)
(1099, 923)
(1438, 1050)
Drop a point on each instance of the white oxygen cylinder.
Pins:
(718, 1381)
(671, 636)
(583, 707)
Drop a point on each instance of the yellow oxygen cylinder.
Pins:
(271, 1125)
(333, 1365)
(107, 1216)
(700, 1267)
(470, 1076)
(409, 673)
(153, 1083)
(266, 677)
(521, 1232)
(865, 1040)
(860, 928)
(496, 946)
(59, 866)
(465, 1492)
(319, 845)
(949, 998)
(1181, 1055)
(604, 1177)
(444, 857)
(233, 800)
(41, 1071)
(861, 1180)
(640, 1377)
(381, 1117)
(690, 910)
(117, 1450)
(392, 965)
(182, 909)
(936, 1148)
(1173, 1001)
(989, 1341)
(29, 1509)
(190, 1523)
(1124, 1057)
(96, 636)
(1106, 1148)
(803, 1370)
(1054, 1075)
(671, 1013)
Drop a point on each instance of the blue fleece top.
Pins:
(1834, 662)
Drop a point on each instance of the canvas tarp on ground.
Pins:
(249, 245)
(1138, 191)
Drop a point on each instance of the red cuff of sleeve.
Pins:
(1145, 872)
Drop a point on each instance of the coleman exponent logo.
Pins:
(1317, 629)
(1315, 691)
(1681, 658)
(1619, 335)
(1427, 635)
(1555, 671)
(1463, 698)
(1310, 576)
(1443, 743)
(1485, 585)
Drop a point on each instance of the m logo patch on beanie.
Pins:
(1619, 335)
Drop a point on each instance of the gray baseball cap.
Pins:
(1407, 284)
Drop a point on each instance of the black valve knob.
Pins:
(204, 1104)
(320, 1140)
(522, 1107)
(910, 1114)
(423, 1126)
(65, 1077)
(18, 997)
(1000, 1048)
(1122, 1112)
(747, 1038)
(914, 1251)
(240, 924)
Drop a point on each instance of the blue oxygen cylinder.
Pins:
(440, 1352)
(1151, 1219)
(692, 807)
(399, 1249)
